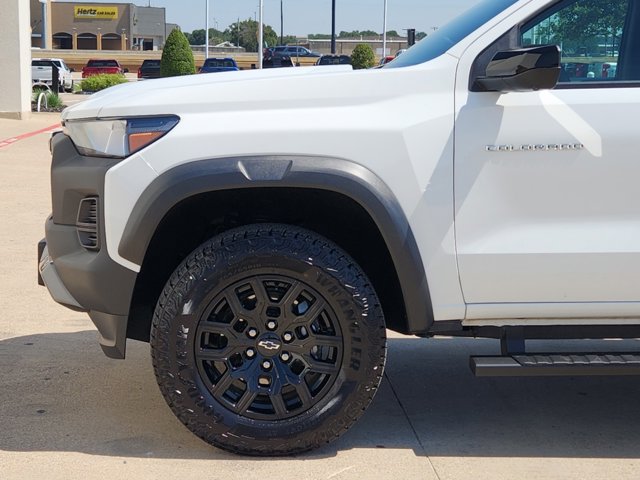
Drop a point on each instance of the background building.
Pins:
(98, 26)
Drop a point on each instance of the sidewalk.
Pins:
(38, 121)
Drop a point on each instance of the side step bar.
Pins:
(556, 364)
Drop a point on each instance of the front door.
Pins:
(547, 183)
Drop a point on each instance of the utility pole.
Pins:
(261, 35)
(206, 32)
(384, 31)
(333, 27)
(281, 23)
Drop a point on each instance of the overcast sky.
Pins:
(302, 17)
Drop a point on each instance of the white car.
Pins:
(261, 229)
(41, 72)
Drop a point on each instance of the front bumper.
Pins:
(77, 277)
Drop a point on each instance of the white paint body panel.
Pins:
(545, 237)
(404, 137)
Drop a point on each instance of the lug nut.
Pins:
(266, 364)
(253, 333)
(271, 325)
(287, 337)
(285, 356)
(250, 353)
(264, 381)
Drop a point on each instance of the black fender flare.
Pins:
(308, 172)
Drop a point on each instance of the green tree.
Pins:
(319, 36)
(358, 34)
(420, 36)
(363, 57)
(392, 33)
(245, 34)
(197, 37)
(177, 57)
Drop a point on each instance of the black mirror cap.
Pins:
(521, 70)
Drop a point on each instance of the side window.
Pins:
(590, 35)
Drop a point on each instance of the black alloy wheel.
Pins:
(269, 347)
(268, 340)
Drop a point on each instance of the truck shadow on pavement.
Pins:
(59, 393)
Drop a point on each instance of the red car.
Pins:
(97, 67)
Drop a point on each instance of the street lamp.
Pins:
(281, 23)
(206, 31)
(384, 31)
(260, 35)
(333, 27)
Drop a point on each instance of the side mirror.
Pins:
(521, 70)
(126, 70)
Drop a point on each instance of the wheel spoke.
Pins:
(325, 341)
(234, 303)
(294, 292)
(318, 366)
(303, 392)
(261, 294)
(246, 400)
(223, 384)
(279, 407)
(310, 315)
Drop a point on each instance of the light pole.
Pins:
(206, 31)
(333, 27)
(384, 31)
(260, 35)
(45, 26)
(281, 23)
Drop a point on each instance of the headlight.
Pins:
(117, 138)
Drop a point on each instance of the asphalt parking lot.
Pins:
(67, 411)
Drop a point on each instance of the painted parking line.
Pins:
(12, 140)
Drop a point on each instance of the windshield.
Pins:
(446, 37)
(218, 63)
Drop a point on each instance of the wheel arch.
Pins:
(252, 175)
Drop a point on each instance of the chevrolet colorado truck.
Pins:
(481, 184)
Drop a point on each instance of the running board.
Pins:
(556, 364)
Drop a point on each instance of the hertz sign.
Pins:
(96, 13)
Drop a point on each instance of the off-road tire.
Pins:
(268, 255)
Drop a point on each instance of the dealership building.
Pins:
(97, 26)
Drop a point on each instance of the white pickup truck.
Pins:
(261, 229)
(41, 73)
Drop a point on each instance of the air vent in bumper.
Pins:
(87, 223)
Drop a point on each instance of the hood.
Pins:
(254, 89)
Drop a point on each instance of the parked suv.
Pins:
(263, 243)
(291, 51)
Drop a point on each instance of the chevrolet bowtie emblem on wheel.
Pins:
(268, 345)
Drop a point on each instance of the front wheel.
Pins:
(268, 340)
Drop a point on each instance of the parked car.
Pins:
(149, 69)
(41, 72)
(334, 60)
(277, 62)
(97, 67)
(387, 59)
(214, 65)
(292, 51)
(400, 52)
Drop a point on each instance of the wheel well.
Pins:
(198, 218)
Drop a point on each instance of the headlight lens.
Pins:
(117, 138)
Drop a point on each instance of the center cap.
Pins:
(269, 345)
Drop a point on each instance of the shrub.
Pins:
(177, 57)
(363, 57)
(96, 83)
